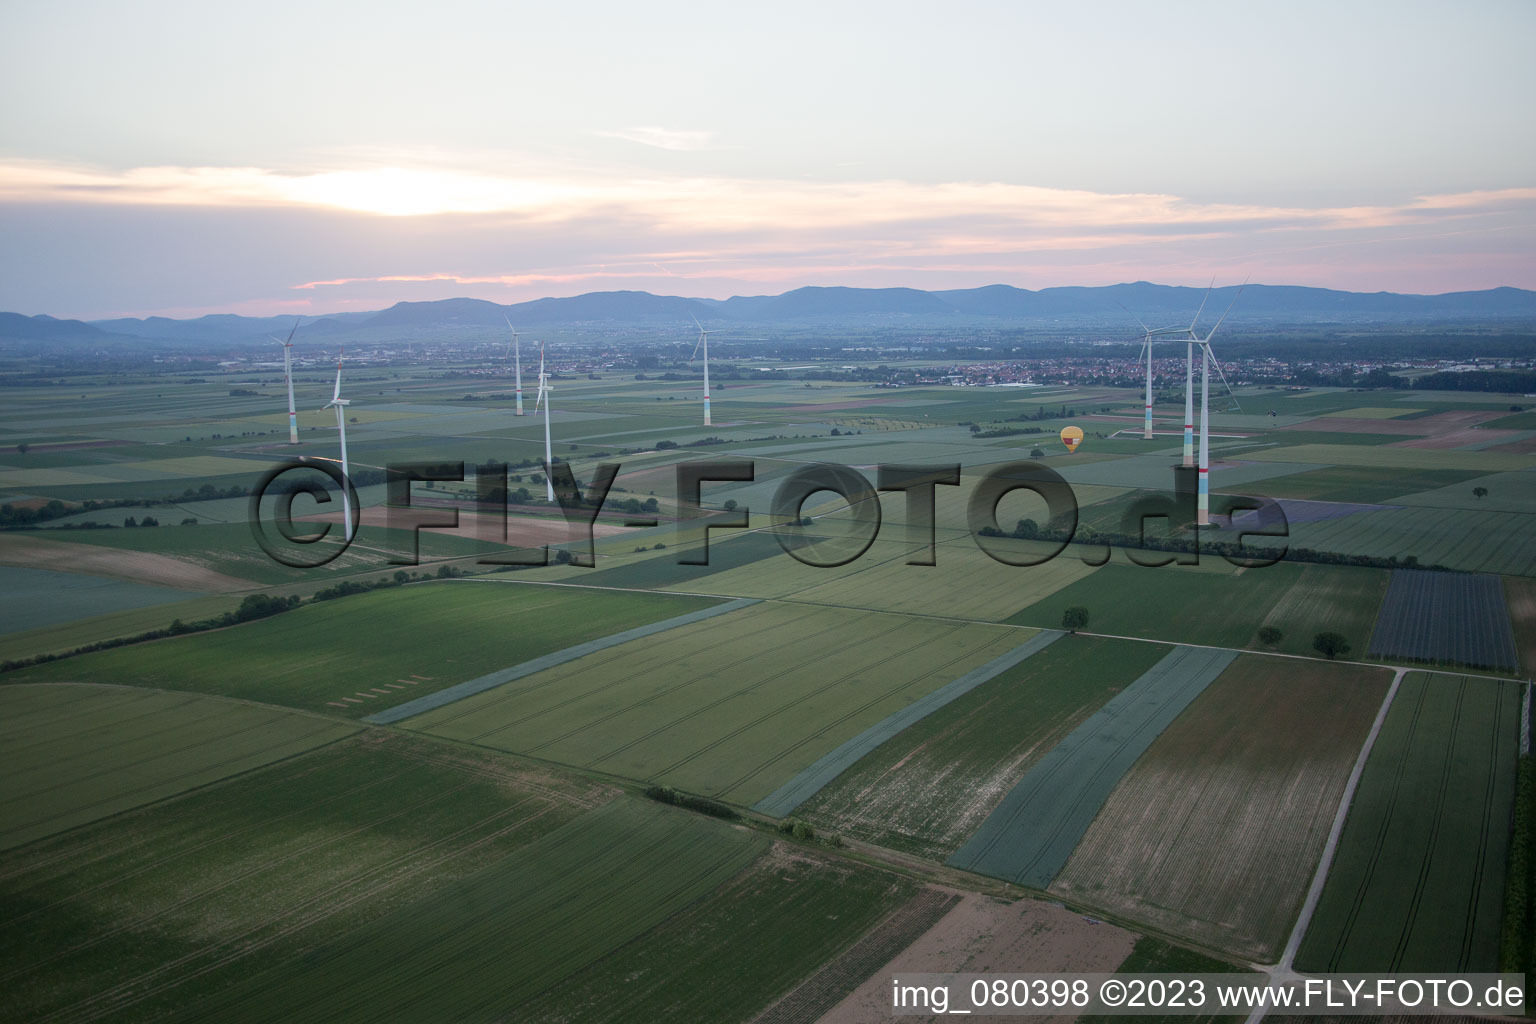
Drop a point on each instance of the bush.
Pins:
(1269, 636)
(704, 805)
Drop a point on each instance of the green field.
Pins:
(1223, 609)
(1386, 457)
(1471, 540)
(1354, 483)
(78, 753)
(731, 707)
(926, 789)
(131, 918)
(725, 958)
(1417, 881)
(358, 655)
(481, 947)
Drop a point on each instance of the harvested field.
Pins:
(928, 788)
(1459, 438)
(1521, 596)
(1417, 881)
(1029, 837)
(732, 707)
(1443, 617)
(32, 551)
(844, 973)
(75, 753)
(1215, 833)
(982, 935)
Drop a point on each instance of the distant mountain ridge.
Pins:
(813, 305)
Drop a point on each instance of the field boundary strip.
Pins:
(490, 681)
(1028, 838)
(829, 766)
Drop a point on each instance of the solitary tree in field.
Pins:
(1269, 636)
(730, 505)
(1074, 618)
(1037, 453)
(1479, 492)
(1330, 645)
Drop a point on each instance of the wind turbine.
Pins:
(517, 355)
(703, 343)
(1203, 508)
(293, 418)
(1148, 335)
(340, 405)
(543, 398)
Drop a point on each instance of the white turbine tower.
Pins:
(517, 356)
(1207, 357)
(1148, 336)
(340, 405)
(293, 417)
(703, 343)
(543, 398)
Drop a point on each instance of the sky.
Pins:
(177, 159)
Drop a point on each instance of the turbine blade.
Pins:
(1144, 328)
(696, 347)
(1203, 299)
(1239, 295)
(290, 333)
(1223, 376)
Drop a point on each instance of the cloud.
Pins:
(392, 229)
(664, 138)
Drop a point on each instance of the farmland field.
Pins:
(1216, 831)
(130, 918)
(37, 598)
(727, 957)
(483, 945)
(1032, 833)
(1465, 540)
(461, 631)
(1219, 606)
(1417, 881)
(1389, 457)
(926, 789)
(732, 707)
(1354, 483)
(1521, 597)
(1446, 617)
(76, 753)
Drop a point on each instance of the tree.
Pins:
(130, 521)
(730, 505)
(1330, 645)
(975, 428)
(1074, 618)
(1269, 636)
(1027, 529)
(563, 557)
(1479, 492)
(23, 448)
(1037, 453)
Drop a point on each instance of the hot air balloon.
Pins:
(1071, 437)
